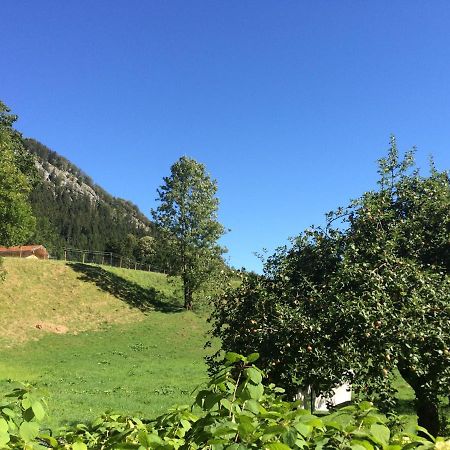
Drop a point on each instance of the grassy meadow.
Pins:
(94, 338)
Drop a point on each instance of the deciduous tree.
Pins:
(16, 219)
(365, 297)
(187, 219)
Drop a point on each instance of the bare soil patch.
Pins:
(51, 327)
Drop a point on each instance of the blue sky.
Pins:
(288, 103)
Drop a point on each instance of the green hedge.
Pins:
(235, 411)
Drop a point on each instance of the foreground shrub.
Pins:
(236, 411)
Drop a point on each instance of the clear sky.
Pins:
(288, 103)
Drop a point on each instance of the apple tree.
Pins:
(360, 300)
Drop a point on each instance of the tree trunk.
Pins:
(428, 415)
(426, 406)
(187, 296)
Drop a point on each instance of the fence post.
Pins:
(65, 255)
(82, 256)
(110, 259)
(120, 263)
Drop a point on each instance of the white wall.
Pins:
(341, 394)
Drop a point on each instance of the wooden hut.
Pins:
(25, 251)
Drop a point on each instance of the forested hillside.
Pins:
(71, 210)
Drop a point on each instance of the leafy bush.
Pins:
(236, 411)
(20, 415)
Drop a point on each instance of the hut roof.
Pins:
(22, 248)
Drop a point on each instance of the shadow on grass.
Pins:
(405, 406)
(145, 299)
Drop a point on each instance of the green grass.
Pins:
(405, 400)
(129, 347)
(139, 369)
(125, 344)
(46, 296)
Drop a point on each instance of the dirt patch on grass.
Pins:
(51, 328)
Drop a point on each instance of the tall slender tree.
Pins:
(187, 220)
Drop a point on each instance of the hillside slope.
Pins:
(38, 297)
(72, 210)
(110, 339)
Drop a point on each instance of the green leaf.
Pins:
(185, 424)
(28, 414)
(254, 375)
(9, 412)
(28, 431)
(253, 406)
(226, 404)
(246, 427)
(275, 429)
(4, 438)
(321, 443)
(365, 406)
(148, 439)
(211, 400)
(79, 446)
(366, 445)
(289, 437)
(381, 433)
(26, 403)
(425, 431)
(315, 422)
(3, 425)
(303, 429)
(232, 357)
(254, 391)
(357, 447)
(49, 439)
(276, 446)
(252, 357)
(38, 410)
